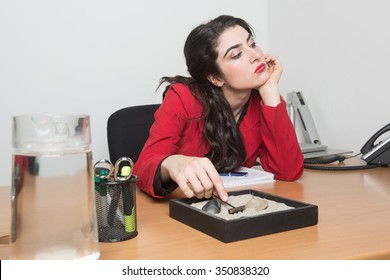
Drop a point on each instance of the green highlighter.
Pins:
(102, 189)
(128, 206)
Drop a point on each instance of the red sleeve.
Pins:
(280, 153)
(165, 138)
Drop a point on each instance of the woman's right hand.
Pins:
(195, 176)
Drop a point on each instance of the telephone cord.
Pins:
(312, 163)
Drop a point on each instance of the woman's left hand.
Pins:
(269, 91)
(275, 69)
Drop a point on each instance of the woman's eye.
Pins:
(253, 45)
(236, 56)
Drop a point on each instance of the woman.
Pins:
(227, 114)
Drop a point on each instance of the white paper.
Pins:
(255, 176)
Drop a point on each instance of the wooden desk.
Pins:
(354, 223)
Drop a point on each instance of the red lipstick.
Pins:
(260, 68)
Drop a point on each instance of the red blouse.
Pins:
(267, 134)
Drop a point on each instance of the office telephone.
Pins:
(378, 152)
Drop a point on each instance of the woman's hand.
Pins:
(269, 91)
(195, 176)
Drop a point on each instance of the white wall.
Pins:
(95, 57)
(337, 52)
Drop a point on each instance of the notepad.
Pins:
(255, 176)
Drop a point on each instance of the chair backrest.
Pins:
(128, 130)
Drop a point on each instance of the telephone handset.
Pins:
(377, 153)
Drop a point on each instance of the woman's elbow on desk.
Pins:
(286, 171)
(290, 176)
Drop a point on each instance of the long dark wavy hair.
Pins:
(227, 150)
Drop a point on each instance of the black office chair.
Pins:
(128, 130)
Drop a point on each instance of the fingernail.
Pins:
(224, 197)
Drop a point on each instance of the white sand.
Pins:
(242, 200)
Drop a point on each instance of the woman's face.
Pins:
(241, 61)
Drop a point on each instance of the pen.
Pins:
(119, 214)
(234, 173)
(112, 210)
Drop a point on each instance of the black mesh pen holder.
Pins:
(116, 210)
